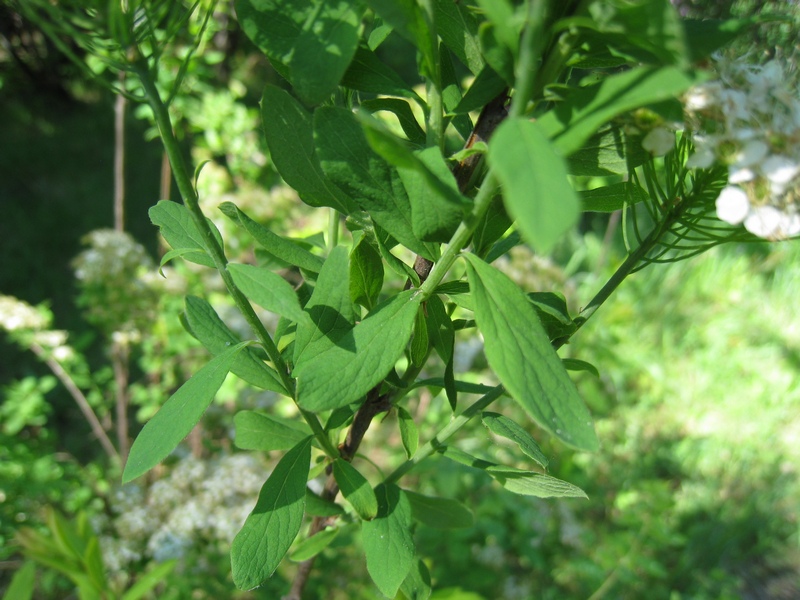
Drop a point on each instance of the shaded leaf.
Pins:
(367, 73)
(439, 513)
(613, 197)
(271, 527)
(574, 364)
(290, 138)
(317, 507)
(417, 584)
(179, 230)
(409, 434)
(387, 540)
(366, 273)
(312, 546)
(208, 328)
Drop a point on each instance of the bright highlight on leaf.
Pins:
(519, 352)
(536, 190)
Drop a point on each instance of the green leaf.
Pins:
(406, 17)
(367, 73)
(146, 582)
(387, 540)
(284, 249)
(451, 94)
(22, 583)
(417, 584)
(330, 308)
(437, 206)
(440, 329)
(180, 413)
(439, 513)
(179, 230)
(518, 350)
(486, 87)
(418, 351)
(360, 359)
(609, 151)
(290, 138)
(491, 227)
(405, 116)
(458, 28)
(613, 197)
(315, 39)
(706, 36)
(348, 160)
(574, 364)
(535, 187)
(317, 507)
(267, 289)
(536, 484)
(553, 313)
(366, 273)
(356, 489)
(409, 434)
(312, 546)
(257, 431)
(273, 524)
(505, 427)
(208, 328)
(575, 120)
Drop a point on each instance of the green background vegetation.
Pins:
(694, 493)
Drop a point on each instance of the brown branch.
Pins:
(491, 116)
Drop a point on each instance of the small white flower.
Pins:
(733, 205)
(789, 225)
(763, 221)
(703, 158)
(740, 175)
(779, 169)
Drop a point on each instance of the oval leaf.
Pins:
(536, 484)
(273, 524)
(387, 540)
(535, 187)
(518, 350)
(361, 358)
(178, 416)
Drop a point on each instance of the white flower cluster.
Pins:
(199, 502)
(749, 120)
(30, 325)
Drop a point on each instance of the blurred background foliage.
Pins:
(694, 494)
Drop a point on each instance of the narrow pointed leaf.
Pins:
(575, 364)
(536, 190)
(256, 431)
(267, 289)
(286, 250)
(458, 28)
(418, 351)
(178, 416)
(387, 540)
(409, 434)
(273, 524)
(22, 583)
(536, 484)
(518, 350)
(440, 329)
(612, 197)
(439, 513)
(405, 116)
(356, 489)
(360, 359)
(367, 73)
(290, 138)
(147, 581)
(505, 427)
(209, 329)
